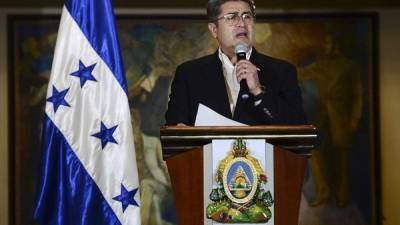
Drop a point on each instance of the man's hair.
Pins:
(214, 8)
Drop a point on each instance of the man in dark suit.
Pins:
(213, 80)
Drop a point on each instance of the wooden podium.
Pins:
(182, 150)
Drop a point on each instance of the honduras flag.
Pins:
(89, 173)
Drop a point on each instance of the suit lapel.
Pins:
(216, 87)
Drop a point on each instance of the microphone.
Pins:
(240, 50)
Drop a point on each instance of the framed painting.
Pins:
(336, 59)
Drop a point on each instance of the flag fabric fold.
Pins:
(89, 173)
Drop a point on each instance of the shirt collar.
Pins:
(225, 59)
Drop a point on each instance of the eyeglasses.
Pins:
(235, 17)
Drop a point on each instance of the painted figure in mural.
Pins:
(148, 94)
(154, 179)
(213, 80)
(338, 115)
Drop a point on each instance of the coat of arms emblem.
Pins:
(240, 195)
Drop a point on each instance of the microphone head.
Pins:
(240, 48)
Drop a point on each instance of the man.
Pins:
(213, 80)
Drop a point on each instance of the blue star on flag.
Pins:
(84, 73)
(58, 98)
(106, 135)
(127, 197)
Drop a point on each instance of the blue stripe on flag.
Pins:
(68, 194)
(96, 17)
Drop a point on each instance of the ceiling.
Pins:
(273, 4)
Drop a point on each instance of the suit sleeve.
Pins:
(282, 103)
(178, 104)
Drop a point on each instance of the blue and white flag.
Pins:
(89, 173)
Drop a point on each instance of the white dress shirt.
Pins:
(231, 82)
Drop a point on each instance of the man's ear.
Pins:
(212, 27)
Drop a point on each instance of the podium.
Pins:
(183, 152)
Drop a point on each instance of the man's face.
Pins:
(230, 33)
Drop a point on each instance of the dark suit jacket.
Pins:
(202, 81)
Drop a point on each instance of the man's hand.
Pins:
(246, 70)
